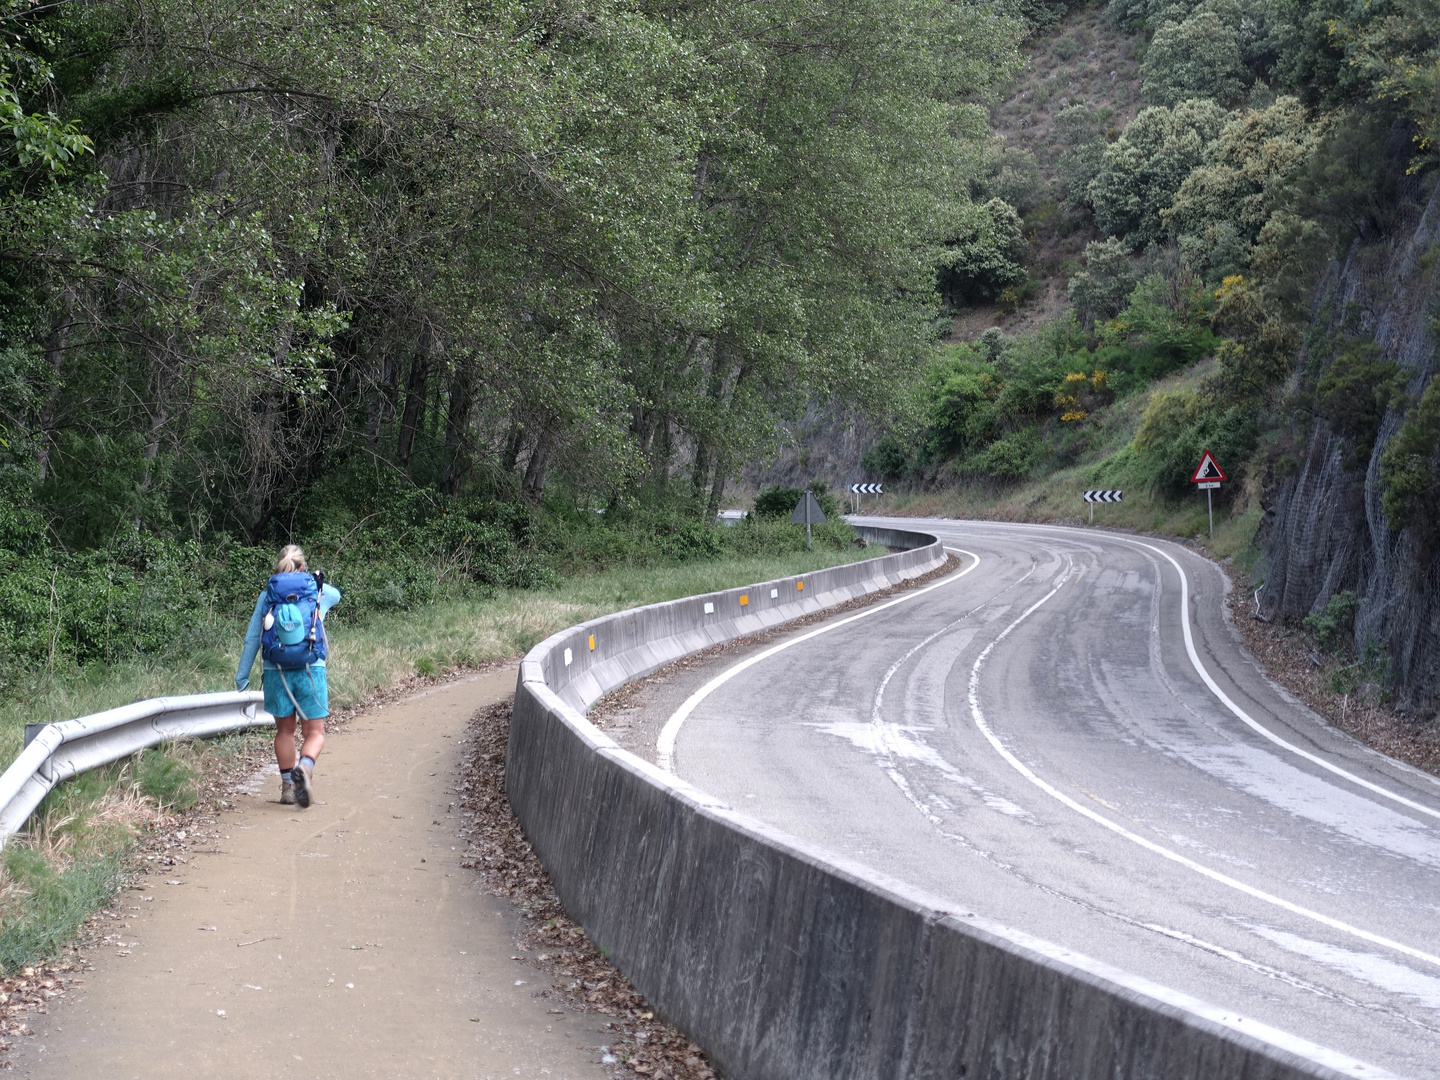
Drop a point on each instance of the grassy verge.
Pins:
(78, 847)
(1109, 462)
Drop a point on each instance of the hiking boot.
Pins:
(287, 794)
(301, 775)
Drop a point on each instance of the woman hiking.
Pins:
(288, 630)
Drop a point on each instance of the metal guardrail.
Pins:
(56, 752)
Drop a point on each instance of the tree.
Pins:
(1246, 177)
(1396, 48)
(1079, 128)
(1196, 58)
(987, 256)
(485, 248)
(1141, 171)
(1100, 289)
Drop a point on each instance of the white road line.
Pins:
(947, 628)
(1245, 717)
(1224, 698)
(1150, 845)
(665, 746)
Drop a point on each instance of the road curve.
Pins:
(1070, 739)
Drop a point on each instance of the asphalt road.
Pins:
(1035, 739)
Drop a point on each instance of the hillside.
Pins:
(1229, 243)
(1084, 60)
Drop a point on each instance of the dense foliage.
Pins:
(1269, 139)
(364, 273)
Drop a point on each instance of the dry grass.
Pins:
(1082, 61)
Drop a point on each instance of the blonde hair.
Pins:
(291, 559)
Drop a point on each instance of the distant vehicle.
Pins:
(730, 517)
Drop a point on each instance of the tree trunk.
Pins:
(55, 357)
(166, 376)
(514, 442)
(717, 489)
(415, 387)
(382, 405)
(663, 454)
(457, 420)
(700, 474)
(534, 485)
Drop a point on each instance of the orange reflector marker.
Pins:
(592, 642)
(744, 600)
(800, 585)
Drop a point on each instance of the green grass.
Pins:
(74, 856)
(391, 646)
(1056, 497)
(47, 903)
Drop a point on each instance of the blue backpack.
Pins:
(293, 634)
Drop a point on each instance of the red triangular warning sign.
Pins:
(1208, 469)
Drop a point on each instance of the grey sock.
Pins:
(285, 776)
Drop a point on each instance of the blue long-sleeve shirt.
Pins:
(329, 597)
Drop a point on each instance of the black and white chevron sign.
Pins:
(1102, 496)
(867, 489)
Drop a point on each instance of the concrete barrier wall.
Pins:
(787, 963)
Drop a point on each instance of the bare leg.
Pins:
(314, 731)
(285, 741)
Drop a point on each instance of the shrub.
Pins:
(1196, 58)
(1163, 328)
(1010, 458)
(1354, 394)
(1141, 171)
(780, 502)
(1099, 290)
(987, 256)
(1014, 177)
(1078, 127)
(1264, 338)
(889, 459)
(1334, 625)
(1410, 467)
(961, 394)
(1180, 425)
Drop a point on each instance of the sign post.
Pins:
(807, 510)
(1092, 497)
(865, 489)
(1208, 475)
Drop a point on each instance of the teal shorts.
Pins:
(308, 686)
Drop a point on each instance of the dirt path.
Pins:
(342, 941)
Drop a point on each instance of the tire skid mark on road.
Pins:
(1159, 849)
(1250, 721)
(895, 773)
(881, 744)
(665, 745)
(1239, 713)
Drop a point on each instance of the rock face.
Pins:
(1324, 529)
